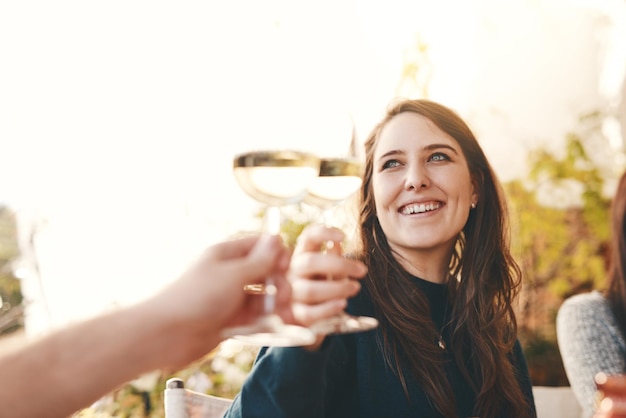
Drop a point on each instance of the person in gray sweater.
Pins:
(591, 327)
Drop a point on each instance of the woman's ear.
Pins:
(475, 196)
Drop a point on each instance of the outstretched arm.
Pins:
(74, 366)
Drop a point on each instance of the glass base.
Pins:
(271, 331)
(344, 324)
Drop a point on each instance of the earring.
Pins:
(473, 205)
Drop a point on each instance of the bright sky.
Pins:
(119, 119)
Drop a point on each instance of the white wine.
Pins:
(276, 177)
(338, 179)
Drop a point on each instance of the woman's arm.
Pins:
(589, 344)
(294, 382)
(523, 376)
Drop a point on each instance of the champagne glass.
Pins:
(274, 178)
(338, 179)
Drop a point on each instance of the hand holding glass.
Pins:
(338, 179)
(274, 178)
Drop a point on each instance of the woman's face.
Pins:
(421, 184)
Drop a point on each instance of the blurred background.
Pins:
(119, 121)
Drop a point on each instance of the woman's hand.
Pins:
(612, 390)
(313, 262)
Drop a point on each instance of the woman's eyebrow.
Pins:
(391, 152)
(431, 147)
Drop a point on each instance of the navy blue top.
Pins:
(348, 376)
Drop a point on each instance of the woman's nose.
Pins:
(416, 177)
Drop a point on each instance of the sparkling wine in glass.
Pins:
(338, 179)
(274, 178)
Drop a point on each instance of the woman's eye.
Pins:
(390, 164)
(439, 156)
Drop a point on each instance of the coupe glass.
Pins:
(274, 178)
(338, 179)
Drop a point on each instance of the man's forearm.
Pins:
(73, 367)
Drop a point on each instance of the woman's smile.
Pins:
(420, 208)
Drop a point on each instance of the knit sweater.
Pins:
(348, 377)
(590, 342)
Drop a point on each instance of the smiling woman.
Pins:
(441, 282)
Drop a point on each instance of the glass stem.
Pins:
(272, 220)
(328, 222)
(272, 226)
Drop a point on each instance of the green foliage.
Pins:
(562, 247)
(8, 237)
(559, 241)
(10, 287)
(292, 226)
(544, 361)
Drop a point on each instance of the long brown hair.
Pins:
(616, 289)
(483, 283)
